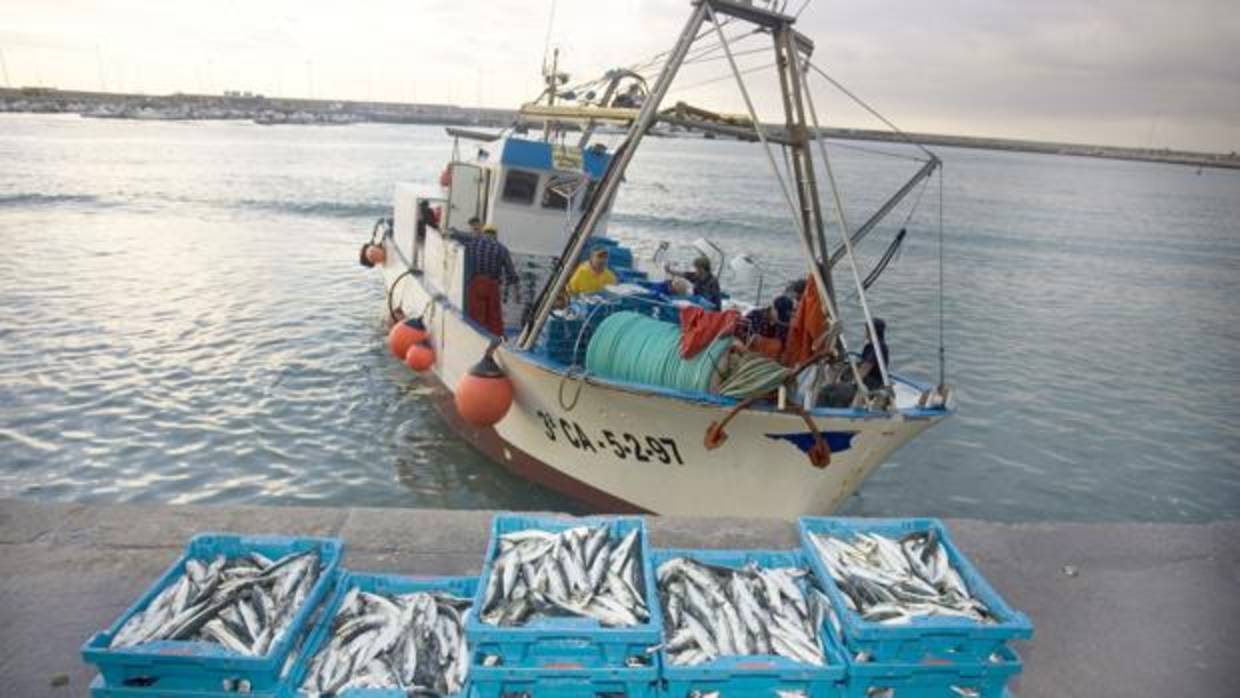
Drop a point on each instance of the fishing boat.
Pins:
(547, 398)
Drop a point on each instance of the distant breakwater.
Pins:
(277, 110)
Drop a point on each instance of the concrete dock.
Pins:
(1120, 609)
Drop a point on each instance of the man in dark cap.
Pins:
(488, 268)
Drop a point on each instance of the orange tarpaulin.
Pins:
(808, 324)
(770, 347)
(698, 328)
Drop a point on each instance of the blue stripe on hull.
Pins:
(838, 441)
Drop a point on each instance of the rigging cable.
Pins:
(815, 269)
(747, 52)
(694, 86)
(649, 68)
(942, 349)
(844, 229)
(895, 247)
(640, 66)
(872, 110)
(874, 151)
(883, 261)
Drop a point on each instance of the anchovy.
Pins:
(244, 604)
(414, 643)
(712, 611)
(893, 582)
(581, 571)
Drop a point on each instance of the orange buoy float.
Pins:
(404, 335)
(421, 355)
(375, 254)
(484, 394)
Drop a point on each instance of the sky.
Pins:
(1115, 72)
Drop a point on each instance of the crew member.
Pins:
(704, 282)
(871, 374)
(592, 275)
(764, 330)
(844, 393)
(488, 266)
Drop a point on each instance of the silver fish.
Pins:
(245, 603)
(581, 571)
(893, 581)
(721, 611)
(411, 642)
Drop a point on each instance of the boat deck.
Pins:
(1151, 611)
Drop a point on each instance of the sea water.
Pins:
(183, 319)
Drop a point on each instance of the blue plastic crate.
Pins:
(566, 642)
(202, 666)
(563, 682)
(628, 276)
(757, 676)
(934, 679)
(100, 689)
(466, 587)
(949, 638)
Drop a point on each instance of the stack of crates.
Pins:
(569, 656)
(567, 334)
(927, 657)
(174, 669)
(382, 584)
(577, 657)
(755, 676)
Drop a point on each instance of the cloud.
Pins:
(1112, 71)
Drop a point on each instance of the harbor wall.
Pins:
(1119, 609)
(278, 110)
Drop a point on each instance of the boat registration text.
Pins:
(643, 448)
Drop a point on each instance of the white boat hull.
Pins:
(627, 448)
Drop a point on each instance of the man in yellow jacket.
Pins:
(592, 275)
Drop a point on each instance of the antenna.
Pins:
(5, 68)
(547, 40)
(1149, 138)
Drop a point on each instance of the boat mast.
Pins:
(610, 183)
(552, 85)
(787, 61)
(818, 269)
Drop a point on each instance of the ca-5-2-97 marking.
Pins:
(643, 448)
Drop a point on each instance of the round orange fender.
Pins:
(375, 254)
(421, 355)
(484, 395)
(404, 335)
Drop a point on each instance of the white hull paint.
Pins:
(752, 474)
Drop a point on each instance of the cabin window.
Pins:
(558, 190)
(519, 187)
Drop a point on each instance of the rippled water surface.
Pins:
(182, 319)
